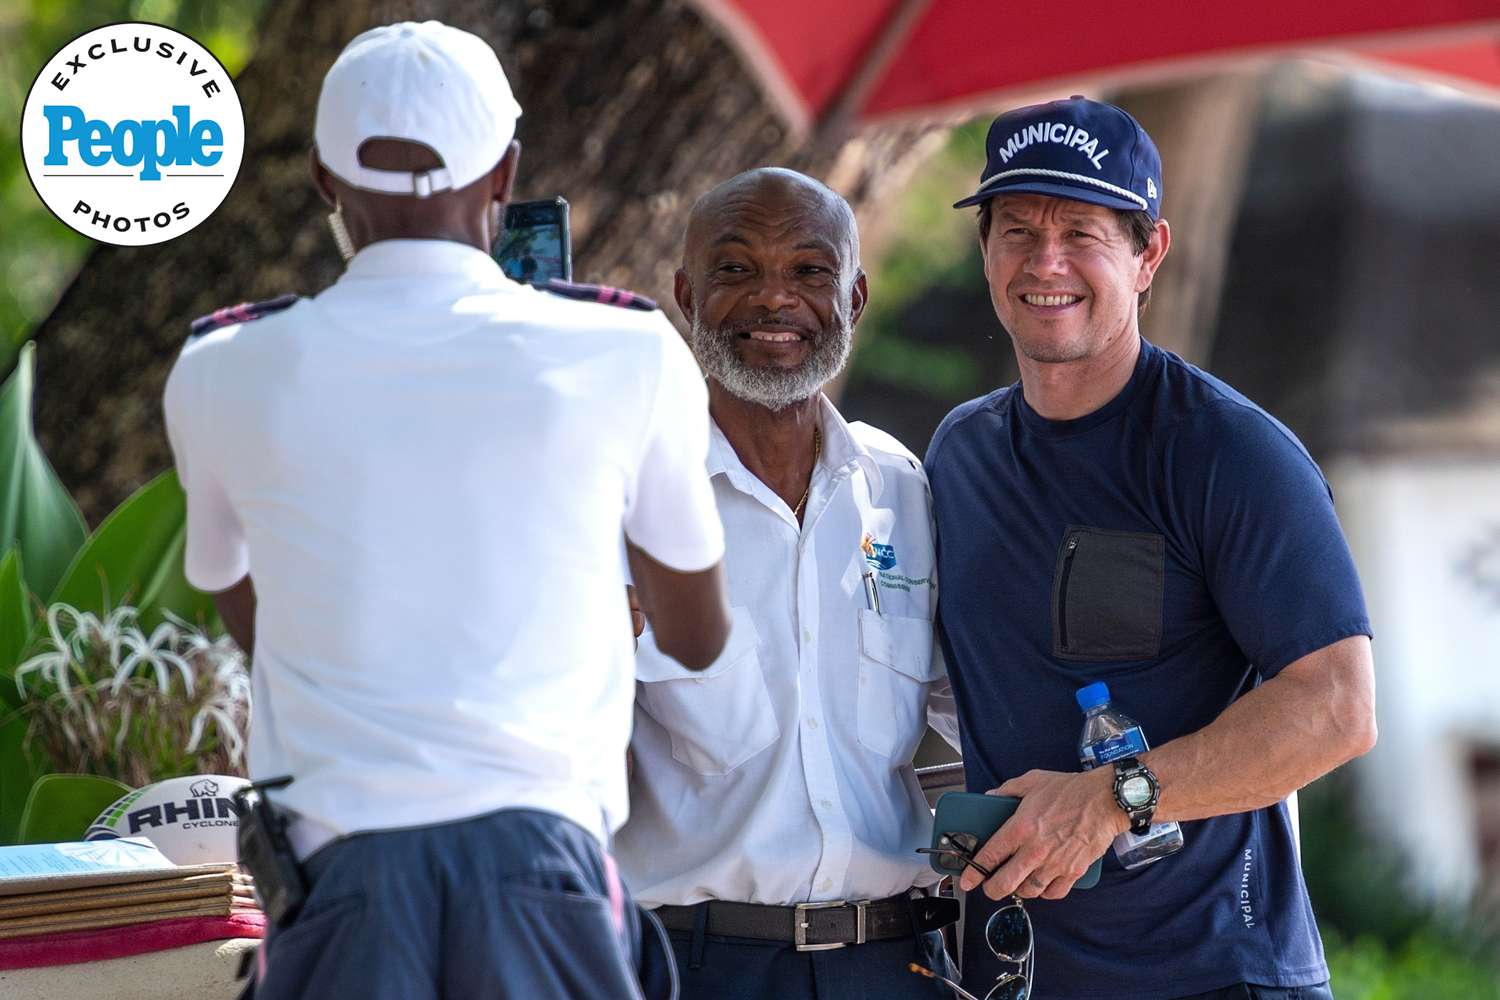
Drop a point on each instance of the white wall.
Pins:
(1415, 525)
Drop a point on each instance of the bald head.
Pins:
(776, 201)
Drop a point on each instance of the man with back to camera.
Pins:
(428, 467)
(1120, 516)
(782, 774)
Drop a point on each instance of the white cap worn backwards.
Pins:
(426, 83)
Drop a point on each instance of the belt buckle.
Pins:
(799, 924)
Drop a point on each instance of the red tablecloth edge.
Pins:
(71, 947)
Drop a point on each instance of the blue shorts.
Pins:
(517, 904)
(731, 968)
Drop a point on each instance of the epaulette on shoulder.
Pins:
(242, 313)
(599, 293)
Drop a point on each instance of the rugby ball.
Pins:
(191, 820)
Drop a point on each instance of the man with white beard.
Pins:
(774, 810)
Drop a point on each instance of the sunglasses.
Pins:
(1007, 933)
(955, 852)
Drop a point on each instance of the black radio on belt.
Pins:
(266, 852)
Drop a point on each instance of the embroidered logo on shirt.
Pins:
(877, 555)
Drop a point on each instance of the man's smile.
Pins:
(774, 335)
(1063, 299)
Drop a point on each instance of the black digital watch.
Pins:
(1136, 792)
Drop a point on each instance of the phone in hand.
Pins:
(534, 246)
(963, 822)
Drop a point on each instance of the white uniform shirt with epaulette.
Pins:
(783, 773)
(426, 470)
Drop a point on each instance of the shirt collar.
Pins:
(412, 258)
(840, 448)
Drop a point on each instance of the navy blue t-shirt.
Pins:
(1180, 544)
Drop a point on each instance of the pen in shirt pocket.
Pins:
(872, 593)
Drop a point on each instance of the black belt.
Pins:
(818, 926)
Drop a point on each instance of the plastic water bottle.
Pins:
(1109, 736)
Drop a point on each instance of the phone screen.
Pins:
(533, 247)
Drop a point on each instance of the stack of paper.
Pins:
(46, 888)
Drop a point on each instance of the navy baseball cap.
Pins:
(1079, 149)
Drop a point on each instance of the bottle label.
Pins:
(1128, 841)
(1130, 743)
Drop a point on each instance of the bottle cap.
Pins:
(1093, 695)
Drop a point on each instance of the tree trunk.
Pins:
(1204, 129)
(632, 109)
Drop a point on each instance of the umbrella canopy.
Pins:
(851, 61)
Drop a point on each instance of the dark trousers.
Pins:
(1250, 991)
(514, 905)
(729, 968)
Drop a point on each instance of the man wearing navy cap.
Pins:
(1121, 516)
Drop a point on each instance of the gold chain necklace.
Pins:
(817, 450)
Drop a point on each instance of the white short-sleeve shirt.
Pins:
(783, 773)
(426, 469)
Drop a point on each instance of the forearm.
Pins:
(1316, 714)
(237, 609)
(688, 611)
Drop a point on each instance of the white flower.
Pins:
(95, 676)
(45, 663)
(124, 728)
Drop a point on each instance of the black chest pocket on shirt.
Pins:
(1107, 595)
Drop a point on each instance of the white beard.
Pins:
(773, 388)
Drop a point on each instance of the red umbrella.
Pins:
(829, 61)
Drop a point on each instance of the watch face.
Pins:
(1135, 791)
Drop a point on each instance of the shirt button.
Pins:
(827, 804)
(827, 884)
(807, 635)
(812, 723)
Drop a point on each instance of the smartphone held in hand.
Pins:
(534, 246)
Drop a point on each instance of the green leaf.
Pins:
(9, 352)
(60, 807)
(135, 557)
(15, 626)
(36, 513)
(175, 594)
(19, 770)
